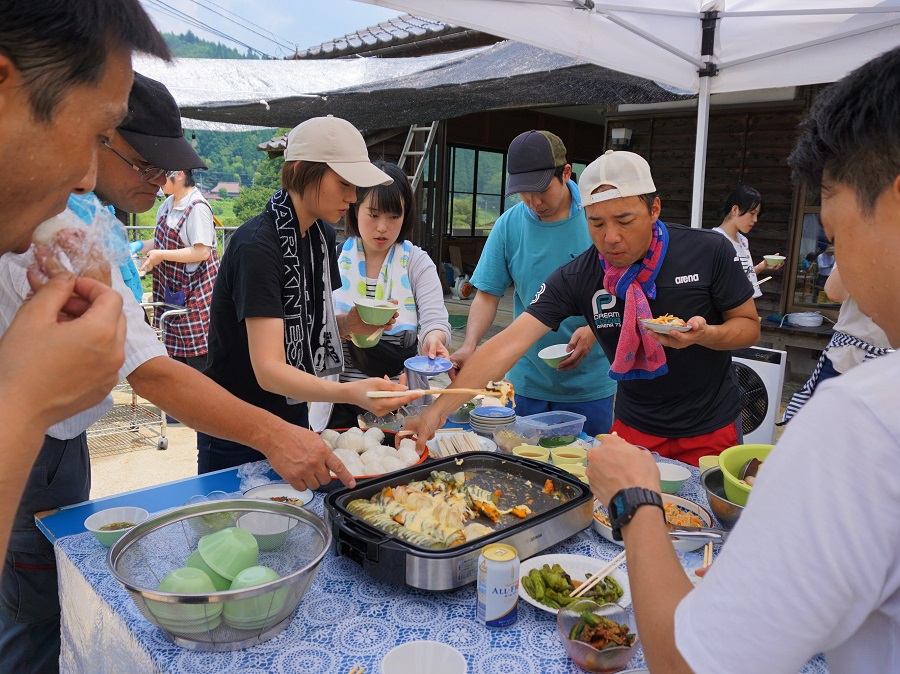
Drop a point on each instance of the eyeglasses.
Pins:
(147, 175)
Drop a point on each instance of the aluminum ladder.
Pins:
(419, 155)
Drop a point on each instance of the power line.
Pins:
(243, 23)
(170, 11)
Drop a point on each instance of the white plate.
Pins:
(664, 329)
(487, 445)
(576, 566)
(684, 546)
(267, 491)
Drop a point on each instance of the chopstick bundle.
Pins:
(707, 554)
(449, 444)
(600, 575)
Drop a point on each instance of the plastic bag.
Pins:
(84, 240)
(256, 474)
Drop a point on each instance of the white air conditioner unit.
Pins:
(760, 378)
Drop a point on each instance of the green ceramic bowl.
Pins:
(731, 461)
(113, 517)
(375, 312)
(248, 613)
(554, 355)
(672, 477)
(363, 341)
(186, 617)
(229, 551)
(195, 561)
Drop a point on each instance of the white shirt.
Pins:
(141, 343)
(742, 255)
(813, 564)
(852, 321)
(199, 227)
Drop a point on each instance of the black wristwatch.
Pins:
(624, 505)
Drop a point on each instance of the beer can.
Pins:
(498, 586)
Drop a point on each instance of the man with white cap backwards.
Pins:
(273, 329)
(676, 394)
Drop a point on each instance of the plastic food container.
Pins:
(547, 424)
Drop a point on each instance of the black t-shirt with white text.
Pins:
(250, 285)
(699, 277)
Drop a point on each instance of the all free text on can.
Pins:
(498, 585)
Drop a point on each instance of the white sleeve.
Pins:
(199, 227)
(815, 554)
(141, 342)
(428, 295)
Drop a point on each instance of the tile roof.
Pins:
(403, 34)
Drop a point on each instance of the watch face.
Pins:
(617, 505)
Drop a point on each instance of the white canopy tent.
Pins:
(700, 46)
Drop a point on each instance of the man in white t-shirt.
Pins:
(813, 565)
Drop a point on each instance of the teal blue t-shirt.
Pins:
(523, 250)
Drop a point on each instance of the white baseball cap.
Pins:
(336, 142)
(627, 172)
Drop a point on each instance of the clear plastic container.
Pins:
(549, 424)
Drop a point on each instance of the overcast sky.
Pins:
(303, 23)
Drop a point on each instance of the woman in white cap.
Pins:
(273, 330)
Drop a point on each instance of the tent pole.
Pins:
(700, 153)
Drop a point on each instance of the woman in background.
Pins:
(184, 261)
(740, 212)
(378, 261)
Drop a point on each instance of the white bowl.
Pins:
(682, 545)
(424, 656)
(275, 491)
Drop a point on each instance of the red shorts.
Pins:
(687, 450)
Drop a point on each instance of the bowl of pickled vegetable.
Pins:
(110, 525)
(597, 637)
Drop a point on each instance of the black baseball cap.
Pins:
(153, 127)
(533, 158)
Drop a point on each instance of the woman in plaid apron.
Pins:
(185, 335)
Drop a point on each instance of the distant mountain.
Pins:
(190, 46)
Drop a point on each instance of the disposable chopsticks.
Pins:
(761, 281)
(456, 443)
(428, 391)
(600, 575)
(357, 670)
(707, 554)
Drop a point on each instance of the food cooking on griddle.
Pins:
(600, 632)
(552, 586)
(434, 513)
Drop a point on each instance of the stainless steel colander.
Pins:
(291, 541)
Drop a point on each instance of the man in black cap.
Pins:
(131, 166)
(527, 243)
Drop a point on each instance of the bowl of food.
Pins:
(110, 525)
(672, 477)
(375, 312)
(568, 454)
(577, 470)
(554, 355)
(510, 437)
(597, 637)
(665, 324)
(679, 511)
(737, 463)
(725, 511)
(533, 452)
(774, 260)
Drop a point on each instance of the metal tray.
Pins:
(394, 560)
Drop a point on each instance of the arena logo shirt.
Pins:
(699, 277)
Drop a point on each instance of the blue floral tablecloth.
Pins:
(345, 619)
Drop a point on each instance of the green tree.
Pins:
(251, 202)
(268, 174)
(223, 192)
(188, 45)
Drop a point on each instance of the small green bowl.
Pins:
(229, 551)
(375, 312)
(122, 514)
(555, 354)
(182, 617)
(363, 342)
(195, 561)
(248, 613)
(672, 477)
(731, 461)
